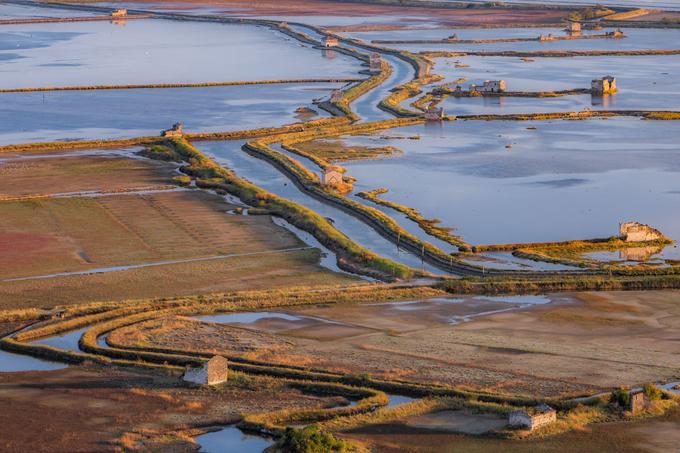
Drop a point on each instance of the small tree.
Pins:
(310, 440)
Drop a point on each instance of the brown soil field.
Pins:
(44, 236)
(85, 408)
(580, 343)
(660, 435)
(476, 16)
(40, 174)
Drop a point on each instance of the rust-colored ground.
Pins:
(86, 409)
(67, 173)
(475, 16)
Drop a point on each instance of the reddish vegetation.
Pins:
(13, 243)
(476, 16)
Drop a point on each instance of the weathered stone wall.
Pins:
(638, 232)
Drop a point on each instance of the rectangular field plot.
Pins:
(133, 244)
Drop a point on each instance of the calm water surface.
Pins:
(158, 51)
(80, 115)
(562, 180)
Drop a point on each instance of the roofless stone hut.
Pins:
(214, 371)
(493, 86)
(537, 417)
(177, 130)
(639, 232)
(434, 114)
(574, 28)
(605, 85)
(121, 12)
(374, 63)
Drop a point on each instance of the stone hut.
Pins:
(122, 12)
(574, 28)
(616, 34)
(638, 403)
(492, 86)
(330, 41)
(638, 232)
(214, 371)
(434, 114)
(336, 96)
(332, 176)
(605, 85)
(540, 416)
(374, 63)
(177, 130)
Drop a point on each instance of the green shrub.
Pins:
(161, 152)
(652, 392)
(310, 440)
(621, 397)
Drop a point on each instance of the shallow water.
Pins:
(636, 39)
(67, 341)
(246, 317)
(644, 82)
(82, 115)
(232, 439)
(159, 51)
(10, 362)
(10, 11)
(562, 180)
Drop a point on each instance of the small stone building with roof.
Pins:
(537, 417)
(492, 86)
(330, 41)
(332, 176)
(214, 371)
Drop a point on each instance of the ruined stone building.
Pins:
(336, 96)
(574, 28)
(434, 114)
(330, 41)
(538, 417)
(214, 371)
(177, 130)
(616, 34)
(122, 12)
(638, 403)
(605, 85)
(490, 86)
(374, 63)
(332, 176)
(548, 37)
(638, 232)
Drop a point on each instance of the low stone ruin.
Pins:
(537, 417)
(639, 232)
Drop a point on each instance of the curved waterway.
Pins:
(10, 362)
(264, 175)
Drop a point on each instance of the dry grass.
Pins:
(339, 151)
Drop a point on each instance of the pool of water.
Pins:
(10, 362)
(247, 317)
(76, 115)
(232, 439)
(560, 180)
(67, 341)
(158, 51)
(644, 82)
(635, 39)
